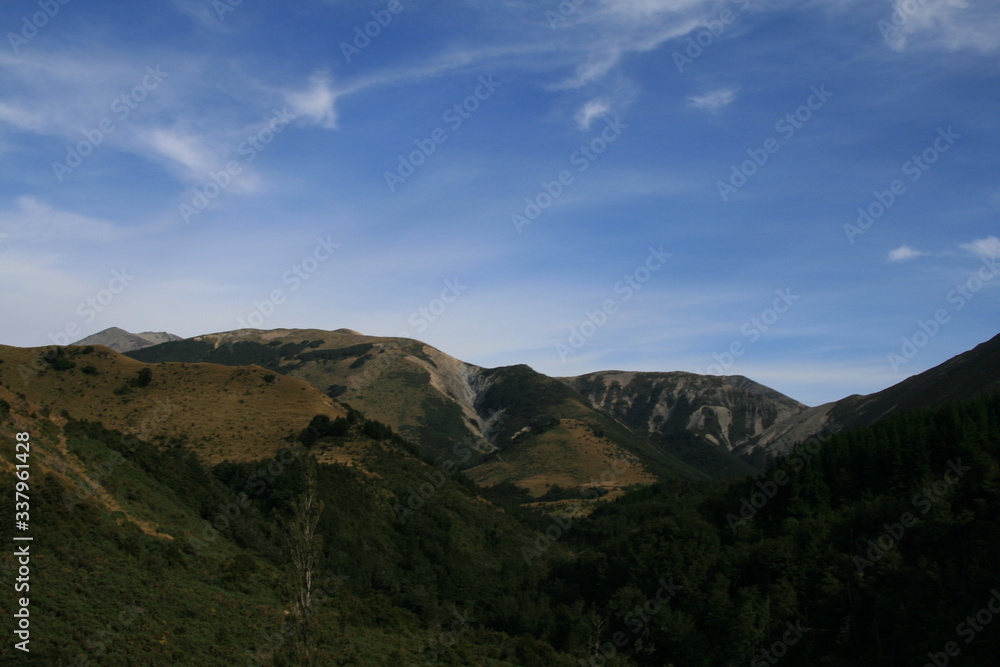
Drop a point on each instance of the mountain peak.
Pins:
(120, 340)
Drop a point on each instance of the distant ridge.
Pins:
(961, 378)
(123, 341)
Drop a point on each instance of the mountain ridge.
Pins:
(719, 425)
(123, 341)
(964, 376)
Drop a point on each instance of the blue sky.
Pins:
(638, 184)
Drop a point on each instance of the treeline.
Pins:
(880, 543)
(873, 547)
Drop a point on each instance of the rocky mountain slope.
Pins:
(485, 421)
(514, 424)
(700, 418)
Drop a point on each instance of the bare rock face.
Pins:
(726, 411)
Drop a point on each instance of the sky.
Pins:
(804, 192)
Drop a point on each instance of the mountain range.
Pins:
(481, 516)
(552, 437)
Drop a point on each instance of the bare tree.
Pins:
(304, 549)
(597, 626)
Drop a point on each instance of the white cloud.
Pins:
(591, 111)
(196, 161)
(903, 253)
(644, 10)
(35, 221)
(948, 24)
(601, 33)
(317, 103)
(714, 100)
(19, 118)
(182, 149)
(988, 247)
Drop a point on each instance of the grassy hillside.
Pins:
(871, 547)
(550, 436)
(444, 405)
(400, 380)
(242, 413)
(144, 551)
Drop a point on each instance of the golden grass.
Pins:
(225, 412)
(569, 455)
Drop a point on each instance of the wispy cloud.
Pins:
(987, 247)
(714, 100)
(183, 149)
(35, 221)
(949, 24)
(317, 103)
(903, 253)
(591, 111)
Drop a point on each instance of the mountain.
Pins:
(162, 500)
(965, 376)
(515, 425)
(120, 340)
(508, 424)
(699, 418)
(169, 508)
(236, 414)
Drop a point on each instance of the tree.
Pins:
(303, 546)
(143, 377)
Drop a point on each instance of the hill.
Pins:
(965, 376)
(700, 419)
(453, 411)
(120, 340)
(235, 414)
